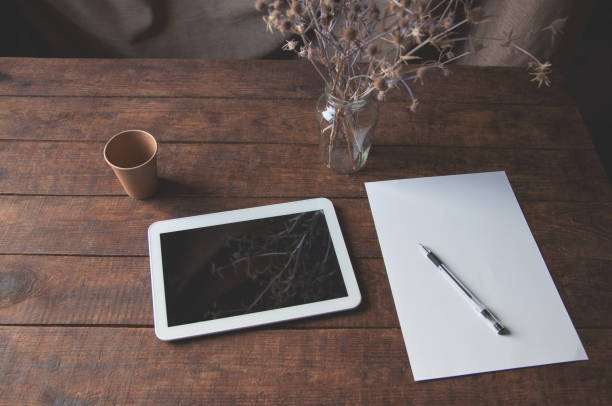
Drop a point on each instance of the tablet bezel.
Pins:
(164, 332)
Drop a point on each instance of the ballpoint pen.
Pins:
(471, 298)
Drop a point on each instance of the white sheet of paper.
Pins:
(474, 224)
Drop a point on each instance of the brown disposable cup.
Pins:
(133, 156)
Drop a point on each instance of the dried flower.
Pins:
(540, 73)
(416, 33)
(420, 73)
(447, 22)
(390, 71)
(350, 34)
(414, 105)
(261, 5)
(556, 27)
(290, 45)
(359, 51)
(380, 83)
(374, 12)
(268, 22)
(285, 25)
(300, 29)
(296, 7)
(372, 50)
(275, 16)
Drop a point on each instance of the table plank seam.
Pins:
(70, 255)
(342, 197)
(51, 254)
(270, 327)
(263, 328)
(250, 97)
(38, 254)
(307, 144)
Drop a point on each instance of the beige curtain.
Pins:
(234, 29)
(154, 28)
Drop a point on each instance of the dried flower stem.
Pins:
(359, 50)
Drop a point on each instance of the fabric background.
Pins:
(233, 29)
(152, 28)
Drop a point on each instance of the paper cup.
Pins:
(133, 157)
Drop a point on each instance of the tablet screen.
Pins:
(249, 266)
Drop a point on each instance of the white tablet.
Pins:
(243, 268)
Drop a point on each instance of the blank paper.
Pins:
(474, 224)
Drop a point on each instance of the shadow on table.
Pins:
(170, 187)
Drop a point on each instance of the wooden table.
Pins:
(75, 304)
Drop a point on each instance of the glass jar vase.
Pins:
(346, 130)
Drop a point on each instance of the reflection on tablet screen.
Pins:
(248, 267)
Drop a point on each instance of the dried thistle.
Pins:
(360, 50)
(540, 72)
(556, 27)
(260, 5)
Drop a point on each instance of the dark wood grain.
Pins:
(345, 366)
(63, 290)
(75, 290)
(250, 79)
(118, 225)
(287, 121)
(75, 301)
(274, 170)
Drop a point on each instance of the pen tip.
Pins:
(501, 330)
